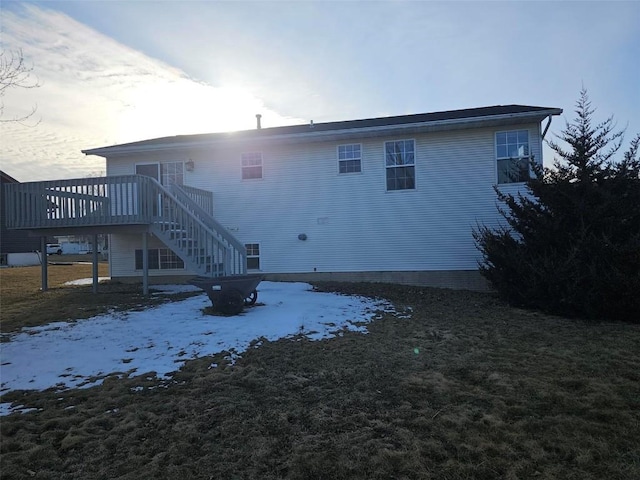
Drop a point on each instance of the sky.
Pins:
(119, 71)
(158, 341)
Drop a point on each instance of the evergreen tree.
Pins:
(571, 244)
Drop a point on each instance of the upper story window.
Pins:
(513, 156)
(172, 173)
(349, 158)
(400, 164)
(251, 165)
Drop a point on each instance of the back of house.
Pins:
(391, 199)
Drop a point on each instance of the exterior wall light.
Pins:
(302, 236)
(189, 165)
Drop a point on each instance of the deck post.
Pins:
(94, 244)
(145, 263)
(44, 263)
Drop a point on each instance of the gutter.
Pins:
(365, 132)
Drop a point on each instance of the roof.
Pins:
(446, 119)
(6, 178)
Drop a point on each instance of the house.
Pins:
(17, 248)
(390, 199)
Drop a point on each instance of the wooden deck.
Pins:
(100, 202)
(180, 216)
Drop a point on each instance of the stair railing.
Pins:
(202, 243)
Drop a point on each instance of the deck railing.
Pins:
(202, 198)
(182, 194)
(196, 237)
(81, 202)
(179, 216)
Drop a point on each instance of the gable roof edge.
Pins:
(321, 135)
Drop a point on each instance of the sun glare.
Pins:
(166, 108)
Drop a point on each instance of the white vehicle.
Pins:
(54, 248)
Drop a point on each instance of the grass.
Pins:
(467, 388)
(23, 304)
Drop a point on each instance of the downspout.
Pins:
(547, 127)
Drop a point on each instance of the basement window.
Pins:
(160, 259)
(253, 256)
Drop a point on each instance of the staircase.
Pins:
(187, 228)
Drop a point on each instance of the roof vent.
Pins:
(258, 124)
(311, 124)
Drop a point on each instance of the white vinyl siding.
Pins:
(352, 223)
(122, 256)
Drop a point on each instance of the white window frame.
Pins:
(403, 165)
(161, 253)
(506, 154)
(174, 177)
(248, 162)
(253, 255)
(163, 177)
(344, 148)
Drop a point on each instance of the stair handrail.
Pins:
(204, 216)
(227, 241)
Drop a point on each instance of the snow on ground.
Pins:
(81, 353)
(87, 281)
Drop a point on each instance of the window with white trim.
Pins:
(251, 165)
(253, 256)
(172, 173)
(400, 164)
(160, 259)
(349, 158)
(513, 156)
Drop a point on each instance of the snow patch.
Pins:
(82, 353)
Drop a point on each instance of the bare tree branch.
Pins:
(15, 73)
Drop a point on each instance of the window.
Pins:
(172, 173)
(253, 256)
(160, 259)
(349, 157)
(512, 155)
(251, 165)
(400, 163)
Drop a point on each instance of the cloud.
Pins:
(95, 91)
(192, 67)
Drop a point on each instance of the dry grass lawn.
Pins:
(467, 388)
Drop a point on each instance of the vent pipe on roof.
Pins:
(311, 124)
(258, 117)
